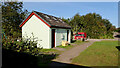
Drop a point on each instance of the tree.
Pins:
(92, 24)
(12, 15)
(118, 29)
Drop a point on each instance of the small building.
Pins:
(49, 30)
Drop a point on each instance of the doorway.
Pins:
(67, 35)
(53, 38)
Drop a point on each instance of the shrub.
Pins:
(28, 45)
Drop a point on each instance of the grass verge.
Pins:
(79, 42)
(66, 47)
(50, 50)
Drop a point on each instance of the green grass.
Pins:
(79, 42)
(49, 50)
(103, 53)
(66, 47)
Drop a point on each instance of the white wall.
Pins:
(39, 29)
(69, 40)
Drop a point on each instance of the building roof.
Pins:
(52, 21)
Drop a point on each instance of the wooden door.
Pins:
(53, 38)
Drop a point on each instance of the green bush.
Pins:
(28, 45)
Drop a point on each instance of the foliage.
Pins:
(118, 30)
(12, 15)
(92, 24)
(102, 53)
(28, 45)
(25, 53)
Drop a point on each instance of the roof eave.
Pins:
(24, 20)
(29, 15)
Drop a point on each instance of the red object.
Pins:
(80, 35)
(30, 17)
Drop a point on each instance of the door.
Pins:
(67, 35)
(53, 38)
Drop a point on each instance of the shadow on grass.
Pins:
(12, 59)
(118, 47)
(72, 41)
(65, 65)
(117, 36)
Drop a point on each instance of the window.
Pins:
(79, 34)
(63, 36)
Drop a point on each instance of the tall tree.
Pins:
(75, 20)
(12, 15)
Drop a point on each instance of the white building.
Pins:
(49, 30)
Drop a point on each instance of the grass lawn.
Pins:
(49, 50)
(103, 53)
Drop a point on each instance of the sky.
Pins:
(69, 0)
(108, 10)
